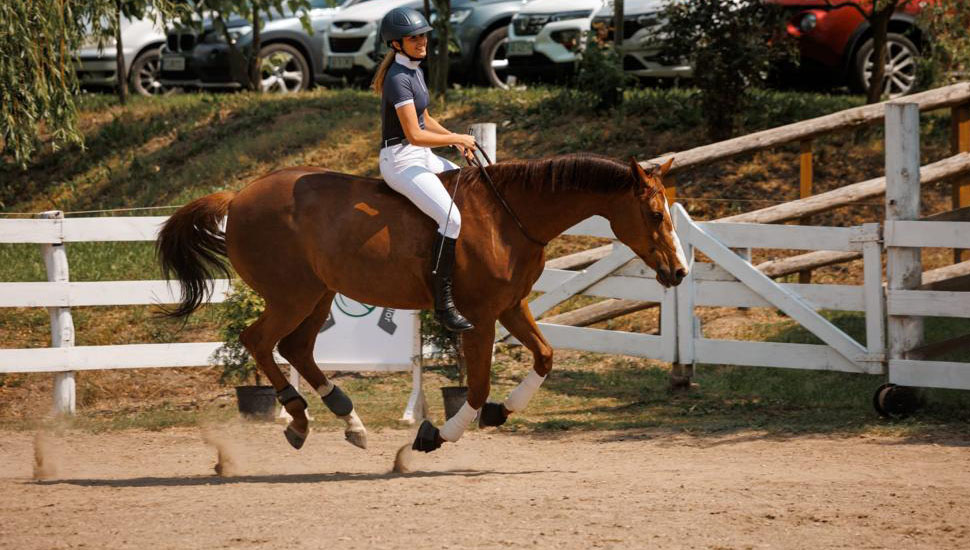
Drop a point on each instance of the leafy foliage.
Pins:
(241, 308)
(732, 47)
(946, 57)
(601, 76)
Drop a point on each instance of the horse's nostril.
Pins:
(681, 273)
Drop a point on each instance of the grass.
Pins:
(159, 152)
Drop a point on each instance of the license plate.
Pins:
(173, 63)
(520, 48)
(340, 62)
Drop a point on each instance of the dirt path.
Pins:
(590, 490)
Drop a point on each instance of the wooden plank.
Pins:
(958, 215)
(129, 228)
(775, 354)
(788, 237)
(735, 294)
(600, 311)
(936, 349)
(930, 374)
(580, 259)
(801, 262)
(38, 231)
(928, 303)
(792, 305)
(596, 226)
(99, 293)
(874, 297)
(870, 189)
(136, 356)
(960, 135)
(62, 323)
(954, 278)
(685, 319)
(906, 233)
(627, 288)
(604, 341)
(849, 118)
(805, 181)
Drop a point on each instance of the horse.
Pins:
(297, 236)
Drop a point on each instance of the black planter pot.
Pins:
(454, 397)
(256, 402)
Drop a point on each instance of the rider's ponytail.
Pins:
(378, 83)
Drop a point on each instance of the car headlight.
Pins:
(808, 22)
(567, 15)
(569, 38)
(457, 16)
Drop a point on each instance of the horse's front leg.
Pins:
(476, 346)
(519, 322)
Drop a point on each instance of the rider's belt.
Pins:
(393, 141)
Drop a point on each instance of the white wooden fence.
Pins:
(728, 280)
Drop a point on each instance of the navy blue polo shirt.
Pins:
(403, 84)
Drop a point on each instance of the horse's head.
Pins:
(641, 220)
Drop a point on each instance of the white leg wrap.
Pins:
(325, 389)
(455, 426)
(520, 396)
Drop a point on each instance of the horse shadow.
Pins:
(197, 481)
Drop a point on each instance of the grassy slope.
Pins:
(166, 151)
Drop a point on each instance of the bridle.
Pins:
(498, 195)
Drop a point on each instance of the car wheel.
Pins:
(283, 69)
(144, 73)
(900, 65)
(493, 65)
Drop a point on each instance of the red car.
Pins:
(836, 44)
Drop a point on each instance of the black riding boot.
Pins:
(444, 304)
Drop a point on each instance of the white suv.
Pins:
(641, 39)
(546, 37)
(352, 48)
(141, 40)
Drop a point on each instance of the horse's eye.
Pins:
(658, 216)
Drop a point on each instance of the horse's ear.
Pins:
(638, 172)
(666, 167)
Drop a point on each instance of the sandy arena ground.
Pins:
(588, 490)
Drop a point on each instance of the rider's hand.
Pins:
(469, 156)
(464, 140)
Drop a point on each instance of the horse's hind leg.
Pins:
(520, 323)
(297, 348)
(277, 320)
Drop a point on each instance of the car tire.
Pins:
(901, 69)
(492, 62)
(283, 69)
(144, 72)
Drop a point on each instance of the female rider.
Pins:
(407, 133)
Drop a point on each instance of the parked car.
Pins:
(291, 58)
(642, 20)
(837, 45)
(141, 40)
(546, 36)
(480, 29)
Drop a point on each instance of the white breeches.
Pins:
(411, 171)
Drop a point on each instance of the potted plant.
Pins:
(241, 308)
(445, 346)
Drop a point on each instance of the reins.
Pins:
(498, 195)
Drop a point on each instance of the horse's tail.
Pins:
(192, 245)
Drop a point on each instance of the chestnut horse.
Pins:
(299, 235)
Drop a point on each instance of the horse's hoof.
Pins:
(493, 414)
(357, 438)
(295, 438)
(427, 439)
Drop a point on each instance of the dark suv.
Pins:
(837, 46)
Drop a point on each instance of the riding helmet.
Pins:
(401, 22)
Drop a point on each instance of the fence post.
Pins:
(62, 325)
(960, 115)
(682, 370)
(904, 268)
(484, 133)
(805, 184)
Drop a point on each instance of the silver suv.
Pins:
(141, 40)
(641, 39)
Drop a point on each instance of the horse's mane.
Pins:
(572, 172)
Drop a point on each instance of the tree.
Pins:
(439, 60)
(732, 47)
(946, 59)
(877, 13)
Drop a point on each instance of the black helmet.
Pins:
(401, 22)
